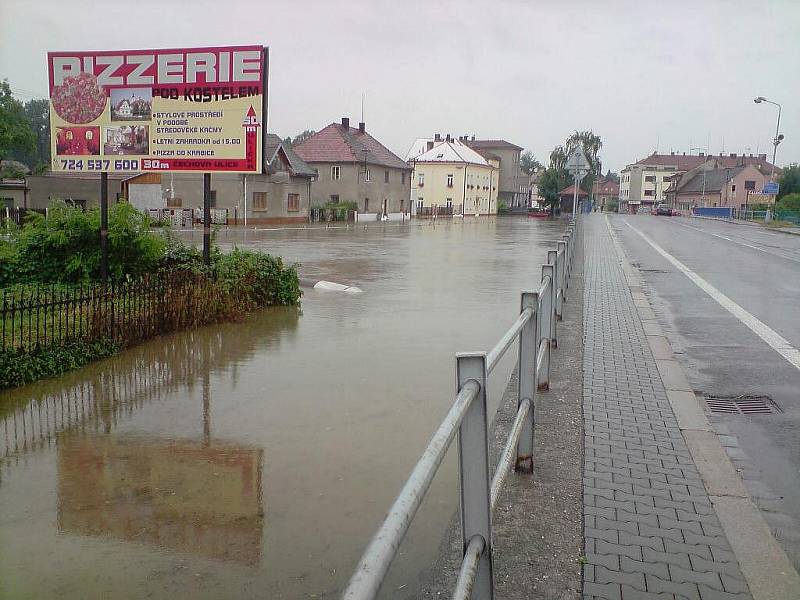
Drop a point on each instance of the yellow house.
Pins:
(450, 178)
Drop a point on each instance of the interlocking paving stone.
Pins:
(650, 529)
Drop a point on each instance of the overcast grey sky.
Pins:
(639, 73)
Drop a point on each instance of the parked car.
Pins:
(664, 210)
(676, 212)
(654, 210)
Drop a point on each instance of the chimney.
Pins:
(430, 144)
(437, 137)
(362, 127)
(751, 155)
(672, 154)
(345, 122)
(473, 138)
(447, 139)
(762, 157)
(732, 155)
(684, 153)
(701, 154)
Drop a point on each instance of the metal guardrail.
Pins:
(536, 330)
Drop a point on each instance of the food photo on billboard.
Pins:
(127, 140)
(78, 141)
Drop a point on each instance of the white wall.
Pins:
(146, 195)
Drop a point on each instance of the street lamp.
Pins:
(778, 136)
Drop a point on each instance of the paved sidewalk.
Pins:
(650, 528)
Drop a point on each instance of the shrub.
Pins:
(258, 277)
(65, 247)
(21, 366)
(789, 202)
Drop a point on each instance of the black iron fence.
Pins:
(129, 311)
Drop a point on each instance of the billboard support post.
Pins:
(104, 226)
(207, 218)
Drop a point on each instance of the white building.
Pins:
(450, 178)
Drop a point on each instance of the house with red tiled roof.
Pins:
(645, 182)
(566, 198)
(352, 166)
(604, 191)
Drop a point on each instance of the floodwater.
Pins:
(256, 459)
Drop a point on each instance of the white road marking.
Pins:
(724, 237)
(777, 342)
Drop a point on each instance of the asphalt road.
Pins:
(758, 270)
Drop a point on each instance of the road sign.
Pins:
(771, 187)
(577, 163)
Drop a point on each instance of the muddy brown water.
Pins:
(257, 459)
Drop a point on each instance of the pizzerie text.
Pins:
(149, 68)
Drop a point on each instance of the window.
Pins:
(259, 200)
(386, 176)
(366, 204)
(665, 178)
(421, 180)
(449, 181)
(334, 198)
(336, 173)
(733, 187)
(750, 185)
(367, 175)
(293, 202)
(420, 203)
(402, 205)
(648, 192)
(650, 178)
(449, 203)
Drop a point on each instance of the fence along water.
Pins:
(536, 332)
(130, 311)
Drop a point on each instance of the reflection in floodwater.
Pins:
(94, 399)
(183, 496)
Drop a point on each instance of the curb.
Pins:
(769, 573)
(749, 224)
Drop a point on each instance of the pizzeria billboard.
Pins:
(177, 110)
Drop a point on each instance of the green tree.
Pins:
(551, 182)
(528, 162)
(558, 158)
(37, 111)
(612, 176)
(300, 137)
(16, 135)
(789, 202)
(789, 181)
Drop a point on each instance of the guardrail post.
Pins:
(567, 266)
(561, 257)
(473, 462)
(546, 325)
(526, 380)
(552, 260)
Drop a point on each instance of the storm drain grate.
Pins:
(742, 405)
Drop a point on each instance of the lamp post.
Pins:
(778, 136)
